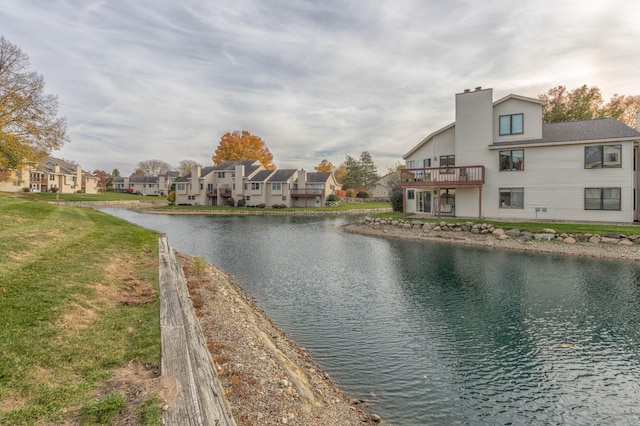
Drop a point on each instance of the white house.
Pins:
(499, 160)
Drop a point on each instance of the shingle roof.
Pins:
(318, 177)
(261, 176)
(573, 131)
(231, 164)
(282, 175)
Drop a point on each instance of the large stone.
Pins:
(503, 237)
(625, 242)
(498, 232)
(545, 236)
(513, 232)
(569, 240)
(527, 236)
(548, 231)
(610, 240)
(594, 239)
(612, 235)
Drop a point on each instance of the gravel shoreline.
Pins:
(268, 379)
(619, 251)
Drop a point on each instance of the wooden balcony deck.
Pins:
(443, 177)
(307, 193)
(219, 193)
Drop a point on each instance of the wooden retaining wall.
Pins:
(186, 361)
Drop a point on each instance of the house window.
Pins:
(276, 186)
(181, 187)
(602, 198)
(602, 156)
(246, 197)
(411, 194)
(447, 160)
(255, 186)
(512, 198)
(221, 175)
(511, 124)
(512, 160)
(52, 177)
(201, 186)
(284, 198)
(427, 162)
(411, 164)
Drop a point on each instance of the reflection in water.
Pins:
(434, 333)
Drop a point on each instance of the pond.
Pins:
(433, 333)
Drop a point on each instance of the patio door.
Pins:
(423, 202)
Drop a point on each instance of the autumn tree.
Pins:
(105, 179)
(242, 145)
(152, 167)
(586, 103)
(361, 173)
(186, 166)
(29, 124)
(115, 173)
(324, 166)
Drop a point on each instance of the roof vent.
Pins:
(467, 90)
(478, 88)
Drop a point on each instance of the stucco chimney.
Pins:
(302, 179)
(198, 171)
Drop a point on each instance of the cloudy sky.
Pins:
(165, 79)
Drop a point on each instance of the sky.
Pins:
(318, 79)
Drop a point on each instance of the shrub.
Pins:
(341, 193)
(262, 205)
(54, 189)
(172, 197)
(274, 206)
(333, 197)
(350, 193)
(230, 202)
(363, 194)
(241, 203)
(26, 189)
(129, 190)
(396, 201)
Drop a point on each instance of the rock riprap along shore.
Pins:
(610, 245)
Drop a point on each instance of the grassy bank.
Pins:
(103, 196)
(560, 227)
(78, 304)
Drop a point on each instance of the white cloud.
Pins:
(164, 79)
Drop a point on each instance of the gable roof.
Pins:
(318, 176)
(599, 129)
(520, 98)
(261, 176)
(49, 163)
(231, 164)
(425, 140)
(282, 175)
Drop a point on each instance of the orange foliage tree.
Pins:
(242, 145)
(324, 166)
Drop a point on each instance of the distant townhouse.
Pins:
(146, 185)
(51, 175)
(231, 181)
(499, 160)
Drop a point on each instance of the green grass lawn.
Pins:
(78, 302)
(103, 196)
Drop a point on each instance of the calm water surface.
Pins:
(436, 334)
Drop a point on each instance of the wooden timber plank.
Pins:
(186, 361)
